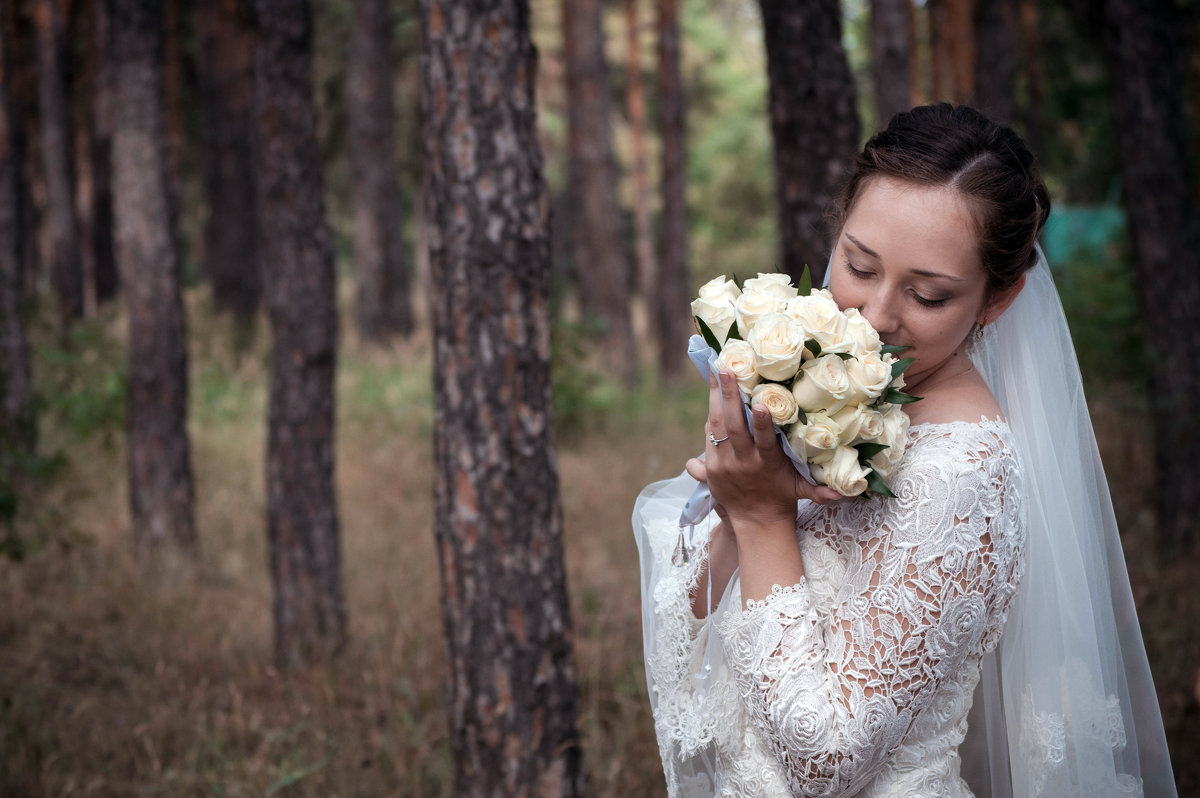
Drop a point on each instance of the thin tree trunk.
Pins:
(383, 303)
(93, 156)
(226, 80)
(160, 475)
(951, 41)
(22, 80)
(814, 123)
(670, 307)
(600, 257)
(1165, 232)
(302, 519)
(1031, 50)
(513, 691)
(18, 428)
(104, 273)
(996, 42)
(891, 57)
(635, 100)
(62, 225)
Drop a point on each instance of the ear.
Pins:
(1000, 302)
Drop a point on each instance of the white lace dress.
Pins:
(856, 681)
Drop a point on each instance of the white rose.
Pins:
(778, 343)
(859, 424)
(817, 439)
(718, 315)
(869, 376)
(778, 401)
(823, 384)
(895, 435)
(751, 306)
(842, 473)
(860, 331)
(779, 285)
(738, 357)
(719, 289)
(822, 321)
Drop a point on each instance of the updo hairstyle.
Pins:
(958, 147)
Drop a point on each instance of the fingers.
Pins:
(696, 469)
(821, 494)
(733, 417)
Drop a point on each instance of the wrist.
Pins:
(764, 521)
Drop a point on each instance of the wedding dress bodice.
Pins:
(856, 681)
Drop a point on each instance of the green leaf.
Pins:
(709, 337)
(734, 335)
(900, 365)
(736, 280)
(812, 346)
(892, 349)
(803, 417)
(804, 284)
(899, 397)
(876, 484)
(844, 355)
(868, 450)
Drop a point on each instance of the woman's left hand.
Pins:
(751, 478)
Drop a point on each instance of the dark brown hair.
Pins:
(958, 147)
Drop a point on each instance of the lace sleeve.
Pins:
(929, 578)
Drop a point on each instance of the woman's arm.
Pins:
(757, 487)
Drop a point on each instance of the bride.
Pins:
(973, 636)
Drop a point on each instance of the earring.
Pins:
(977, 333)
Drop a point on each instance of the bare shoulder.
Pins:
(964, 399)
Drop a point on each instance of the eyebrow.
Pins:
(868, 251)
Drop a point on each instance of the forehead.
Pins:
(912, 225)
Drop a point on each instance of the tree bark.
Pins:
(635, 101)
(302, 519)
(996, 42)
(671, 314)
(813, 121)
(891, 57)
(1031, 51)
(18, 429)
(1165, 232)
(383, 302)
(498, 521)
(600, 257)
(160, 475)
(225, 69)
(61, 222)
(93, 156)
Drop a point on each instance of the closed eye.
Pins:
(930, 303)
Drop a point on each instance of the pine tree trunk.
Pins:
(891, 56)
(635, 100)
(1031, 58)
(226, 79)
(22, 81)
(814, 123)
(1165, 232)
(93, 155)
(104, 268)
(513, 692)
(671, 313)
(18, 430)
(952, 49)
(61, 222)
(996, 41)
(160, 476)
(600, 256)
(302, 519)
(383, 303)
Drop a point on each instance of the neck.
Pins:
(953, 367)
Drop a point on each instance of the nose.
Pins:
(879, 310)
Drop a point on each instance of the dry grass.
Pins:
(113, 683)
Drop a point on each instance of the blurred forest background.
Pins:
(231, 261)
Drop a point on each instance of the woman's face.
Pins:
(908, 257)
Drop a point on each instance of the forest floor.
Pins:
(114, 682)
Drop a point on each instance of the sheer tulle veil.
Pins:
(1066, 706)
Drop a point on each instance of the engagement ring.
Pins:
(717, 441)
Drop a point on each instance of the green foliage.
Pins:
(582, 395)
(81, 381)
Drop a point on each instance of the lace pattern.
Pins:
(856, 680)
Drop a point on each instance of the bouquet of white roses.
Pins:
(832, 388)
